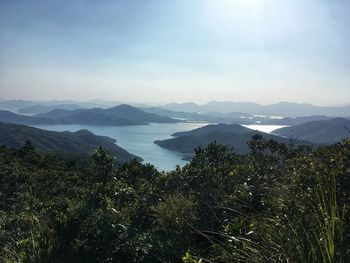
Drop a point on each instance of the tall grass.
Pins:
(319, 240)
(327, 219)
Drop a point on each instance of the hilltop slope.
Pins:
(120, 115)
(327, 131)
(10, 117)
(80, 142)
(278, 109)
(233, 135)
(36, 109)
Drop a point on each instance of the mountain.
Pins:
(285, 109)
(297, 109)
(121, 115)
(228, 106)
(211, 117)
(232, 128)
(327, 131)
(14, 105)
(280, 109)
(88, 117)
(137, 115)
(294, 121)
(80, 142)
(233, 117)
(174, 114)
(10, 117)
(58, 114)
(233, 135)
(35, 109)
(185, 107)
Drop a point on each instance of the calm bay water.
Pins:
(139, 139)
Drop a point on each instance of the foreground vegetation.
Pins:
(279, 203)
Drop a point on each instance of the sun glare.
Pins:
(223, 14)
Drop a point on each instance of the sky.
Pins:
(158, 51)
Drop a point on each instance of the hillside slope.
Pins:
(80, 142)
(327, 131)
(10, 117)
(36, 109)
(232, 128)
(233, 135)
(278, 109)
(121, 115)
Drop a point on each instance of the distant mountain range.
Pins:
(14, 105)
(235, 117)
(211, 117)
(121, 115)
(294, 121)
(36, 109)
(286, 109)
(17, 105)
(10, 117)
(327, 131)
(80, 142)
(174, 114)
(233, 135)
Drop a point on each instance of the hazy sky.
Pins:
(176, 50)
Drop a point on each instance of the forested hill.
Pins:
(233, 135)
(80, 142)
(36, 109)
(276, 204)
(10, 117)
(120, 115)
(232, 128)
(326, 131)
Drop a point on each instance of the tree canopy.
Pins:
(279, 203)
